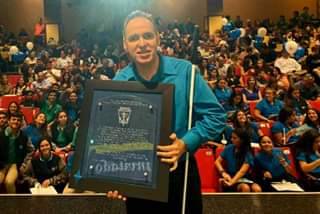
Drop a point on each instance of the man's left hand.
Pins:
(170, 154)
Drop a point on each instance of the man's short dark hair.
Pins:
(285, 113)
(3, 113)
(135, 14)
(53, 92)
(16, 114)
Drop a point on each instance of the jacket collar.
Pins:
(8, 133)
(166, 68)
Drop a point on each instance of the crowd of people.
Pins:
(272, 66)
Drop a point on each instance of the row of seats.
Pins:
(28, 112)
(313, 104)
(13, 79)
(209, 175)
(7, 99)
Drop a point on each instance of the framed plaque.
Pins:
(121, 125)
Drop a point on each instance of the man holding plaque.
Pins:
(140, 40)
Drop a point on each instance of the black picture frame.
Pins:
(101, 95)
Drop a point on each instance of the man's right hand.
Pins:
(115, 195)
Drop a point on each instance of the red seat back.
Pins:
(7, 99)
(218, 151)
(265, 128)
(288, 152)
(314, 104)
(13, 79)
(252, 106)
(29, 113)
(208, 173)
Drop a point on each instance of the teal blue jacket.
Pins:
(209, 117)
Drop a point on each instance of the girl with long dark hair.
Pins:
(239, 159)
(38, 129)
(308, 157)
(271, 165)
(63, 133)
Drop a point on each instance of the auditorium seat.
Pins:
(29, 113)
(218, 151)
(290, 154)
(208, 173)
(7, 99)
(314, 104)
(265, 128)
(13, 79)
(252, 106)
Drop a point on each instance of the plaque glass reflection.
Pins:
(120, 127)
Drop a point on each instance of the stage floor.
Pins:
(218, 203)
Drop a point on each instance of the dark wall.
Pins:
(214, 7)
(260, 9)
(98, 13)
(109, 14)
(15, 14)
(52, 11)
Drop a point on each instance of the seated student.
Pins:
(28, 100)
(271, 164)
(5, 87)
(3, 120)
(63, 133)
(308, 88)
(251, 92)
(268, 109)
(238, 158)
(284, 130)
(72, 107)
(20, 88)
(46, 169)
(312, 118)
(213, 77)
(50, 107)
(308, 157)
(222, 91)
(38, 129)
(235, 103)
(294, 100)
(13, 107)
(15, 152)
(240, 120)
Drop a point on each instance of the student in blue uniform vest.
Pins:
(312, 118)
(238, 159)
(271, 164)
(235, 103)
(308, 156)
(240, 120)
(268, 109)
(284, 130)
(37, 129)
(222, 91)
